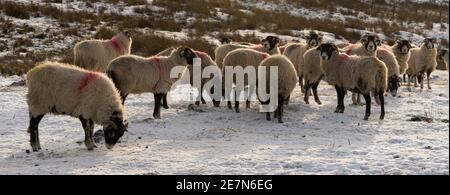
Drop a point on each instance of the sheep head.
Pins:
(188, 54)
(403, 46)
(114, 129)
(225, 40)
(270, 42)
(314, 39)
(429, 43)
(370, 42)
(327, 50)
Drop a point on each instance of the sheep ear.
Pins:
(335, 47)
(363, 40)
(307, 37)
(398, 41)
(127, 33)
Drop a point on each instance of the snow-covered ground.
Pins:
(313, 139)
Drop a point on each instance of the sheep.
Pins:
(362, 74)
(69, 90)
(96, 54)
(312, 73)
(227, 40)
(206, 61)
(442, 59)
(389, 59)
(244, 58)
(295, 52)
(401, 50)
(134, 74)
(287, 79)
(269, 45)
(422, 60)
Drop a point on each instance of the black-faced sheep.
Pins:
(422, 60)
(362, 74)
(135, 74)
(295, 52)
(69, 90)
(287, 80)
(312, 73)
(96, 54)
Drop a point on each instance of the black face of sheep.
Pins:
(188, 54)
(370, 42)
(403, 46)
(114, 130)
(225, 40)
(314, 39)
(393, 84)
(270, 42)
(127, 34)
(326, 50)
(429, 42)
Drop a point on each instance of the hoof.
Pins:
(280, 121)
(197, 103)
(319, 102)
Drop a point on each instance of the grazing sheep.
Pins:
(135, 74)
(442, 59)
(422, 60)
(312, 73)
(388, 57)
(96, 54)
(287, 79)
(269, 45)
(69, 90)
(295, 53)
(362, 74)
(244, 58)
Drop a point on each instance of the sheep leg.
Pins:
(368, 104)
(33, 129)
(123, 98)
(164, 102)
(88, 126)
(415, 80)
(236, 106)
(216, 103)
(381, 97)
(409, 83)
(307, 86)
(428, 79)
(420, 80)
(268, 116)
(157, 109)
(316, 95)
(280, 109)
(340, 98)
(229, 105)
(300, 82)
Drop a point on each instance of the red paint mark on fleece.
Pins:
(157, 59)
(117, 46)
(349, 51)
(201, 54)
(382, 50)
(88, 77)
(264, 55)
(343, 58)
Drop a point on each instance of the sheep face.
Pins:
(114, 129)
(225, 40)
(188, 54)
(270, 42)
(326, 50)
(314, 39)
(403, 46)
(429, 43)
(370, 42)
(393, 84)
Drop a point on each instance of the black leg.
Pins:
(306, 98)
(428, 79)
(368, 104)
(157, 110)
(381, 96)
(88, 126)
(286, 102)
(33, 129)
(247, 104)
(123, 98)
(165, 103)
(268, 116)
(300, 82)
(420, 80)
(341, 94)
(316, 95)
(280, 109)
(236, 106)
(338, 95)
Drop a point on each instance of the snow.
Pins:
(313, 139)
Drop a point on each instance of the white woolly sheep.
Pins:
(69, 90)
(367, 46)
(96, 54)
(287, 80)
(295, 53)
(312, 73)
(135, 74)
(206, 61)
(389, 59)
(244, 58)
(362, 74)
(269, 45)
(422, 60)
